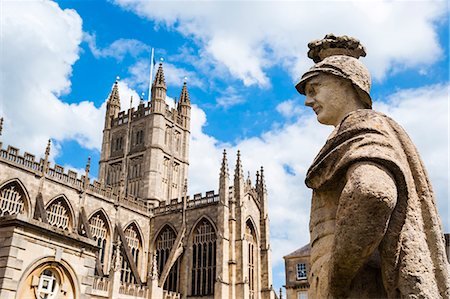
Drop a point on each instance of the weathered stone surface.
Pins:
(100, 242)
(375, 230)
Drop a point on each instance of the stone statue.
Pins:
(375, 230)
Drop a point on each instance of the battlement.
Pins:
(197, 201)
(11, 155)
(143, 110)
(173, 115)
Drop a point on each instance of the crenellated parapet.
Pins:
(143, 110)
(27, 160)
(12, 156)
(124, 116)
(174, 115)
(197, 201)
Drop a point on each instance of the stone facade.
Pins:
(296, 265)
(134, 233)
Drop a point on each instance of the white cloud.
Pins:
(174, 76)
(249, 38)
(289, 109)
(118, 49)
(287, 152)
(140, 74)
(33, 79)
(229, 100)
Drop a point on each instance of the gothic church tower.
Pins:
(145, 151)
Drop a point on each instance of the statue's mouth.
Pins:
(317, 109)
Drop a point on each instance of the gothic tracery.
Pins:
(203, 259)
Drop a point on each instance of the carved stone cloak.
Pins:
(411, 255)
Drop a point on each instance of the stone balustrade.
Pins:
(171, 295)
(71, 178)
(198, 200)
(134, 290)
(101, 284)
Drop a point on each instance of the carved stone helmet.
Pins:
(338, 56)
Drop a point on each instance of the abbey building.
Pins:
(134, 233)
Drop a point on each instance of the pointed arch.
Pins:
(201, 218)
(134, 239)
(250, 236)
(164, 242)
(60, 213)
(105, 215)
(161, 228)
(137, 227)
(101, 232)
(249, 220)
(14, 198)
(204, 254)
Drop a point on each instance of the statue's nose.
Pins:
(309, 101)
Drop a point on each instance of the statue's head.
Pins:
(338, 56)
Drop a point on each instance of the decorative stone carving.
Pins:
(375, 230)
(117, 257)
(154, 274)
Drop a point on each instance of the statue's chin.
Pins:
(324, 121)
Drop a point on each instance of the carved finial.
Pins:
(117, 262)
(47, 149)
(249, 181)
(88, 166)
(184, 96)
(335, 45)
(1, 126)
(262, 174)
(159, 77)
(114, 97)
(86, 170)
(224, 167)
(185, 187)
(238, 172)
(155, 274)
(262, 182)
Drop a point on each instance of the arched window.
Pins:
(250, 237)
(12, 200)
(134, 244)
(203, 259)
(163, 246)
(58, 214)
(100, 233)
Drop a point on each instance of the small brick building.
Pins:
(297, 268)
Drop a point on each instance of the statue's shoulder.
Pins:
(365, 119)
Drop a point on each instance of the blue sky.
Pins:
(242, 59)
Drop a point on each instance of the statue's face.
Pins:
(328, 96)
